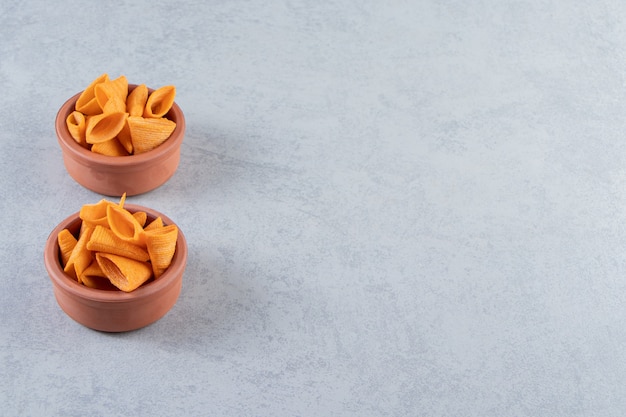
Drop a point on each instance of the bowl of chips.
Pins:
(116, 267)
(121, 138)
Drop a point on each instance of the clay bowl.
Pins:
(115, 311)
(116, 175)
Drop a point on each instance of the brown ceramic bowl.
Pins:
(115, 311)
(116, 175)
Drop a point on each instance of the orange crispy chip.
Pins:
(111, 147)
(136, 101)
(77, 126)
(114, 105)
(125, 139)
(148, 133)
(122, 201)
(154, 224)
(104, 126)
(126, 274)
(161, 244)
(67, 242)
(93, 277)
(124, 224)
(104, 240)
(87, 103)
(108, 89)
(160, 101)
(80, 257)
(84, 227)
(141, 217)
(95, 214)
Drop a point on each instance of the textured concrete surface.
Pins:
(392, 208)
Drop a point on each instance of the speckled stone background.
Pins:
(392, 208)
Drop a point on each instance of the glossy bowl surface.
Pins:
(115, 311)
(116, 175)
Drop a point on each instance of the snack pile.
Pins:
(115, 249)
(110, 120)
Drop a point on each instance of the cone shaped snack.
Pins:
(136, 101)
(124, 137)
(122, 201)
(154, 224)
(103, 127)
(67, 242)
(104, 240)
(111, 147)
(115, 105)
(148, 133)
(124, 224)
(126, 274)
(80, 258)
(95, 214)
(87, 103)
(108, 89)
(160, 102)
(141, 217)
(161, 244)
(84, 228)
(93, 277)
(77, 125)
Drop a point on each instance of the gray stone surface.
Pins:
(392, 208)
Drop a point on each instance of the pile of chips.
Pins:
(115, 249)
(110, 120)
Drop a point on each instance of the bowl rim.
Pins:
(61, 280)
(78, 152)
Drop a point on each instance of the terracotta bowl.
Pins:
(116, 175)
(115, 311)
